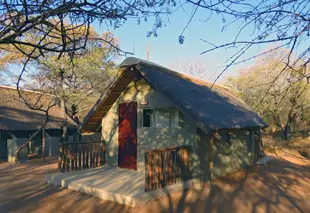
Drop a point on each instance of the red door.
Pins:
(127, 144)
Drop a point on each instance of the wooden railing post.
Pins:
(151, 170)
(161, 169)
(186, 163)
(146, 186)
(61, 157)
(84, 156)
(72, 157)
(81, 155)
(75, 157)
(97, 154)
(67, 158)
(164, 167)
(90, 152)
(87, 156)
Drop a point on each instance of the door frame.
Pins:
(136, 135)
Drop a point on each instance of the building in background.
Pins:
(18, 123)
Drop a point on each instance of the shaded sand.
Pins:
(282, 186)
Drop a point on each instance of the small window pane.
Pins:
(162, 118)
(147, 117)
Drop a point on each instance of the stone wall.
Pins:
(232, 150)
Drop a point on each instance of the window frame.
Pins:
(180, 123)
(151, 119)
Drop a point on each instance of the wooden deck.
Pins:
(115, 184)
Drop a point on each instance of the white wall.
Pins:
(147, 138)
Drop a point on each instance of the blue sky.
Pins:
(166, 50)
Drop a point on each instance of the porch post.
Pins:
(146, 174)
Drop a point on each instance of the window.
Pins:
(163, 118)
(148, 118)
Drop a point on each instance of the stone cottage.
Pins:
(149, 107)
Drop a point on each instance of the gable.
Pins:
(214, 109)
(144, 95)
(93, 119)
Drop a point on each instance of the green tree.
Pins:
(79, 80)
(49, 20)
(73, 80)
(277, 93)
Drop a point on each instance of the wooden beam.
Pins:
(125, 79)
(122, 85)
(119, 90)
(116, 92)
(110, 100)
(93, 122)
(87, 131)
(105, 107)
(98, 117)
(100, 113)
(90, 126)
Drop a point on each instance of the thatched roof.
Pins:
(15, 115)
(216, 108)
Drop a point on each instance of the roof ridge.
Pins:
(192, 78)
(217, 108)
(176, 73)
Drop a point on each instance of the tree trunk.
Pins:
(63, 109)
(287, 130)
(64, 127)
(25, 144)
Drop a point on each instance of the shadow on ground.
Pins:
(282, 186)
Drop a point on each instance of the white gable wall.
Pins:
(147, 137)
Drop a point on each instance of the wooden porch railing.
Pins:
(81, 155)
(164, 167)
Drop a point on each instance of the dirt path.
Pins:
(283, 186)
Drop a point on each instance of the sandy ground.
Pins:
(282, 186)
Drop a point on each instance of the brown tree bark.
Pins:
(42, 128)
(25, 144)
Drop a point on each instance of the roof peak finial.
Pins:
(147, 52)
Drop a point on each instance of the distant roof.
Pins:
(216, 108)
(15, 115)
